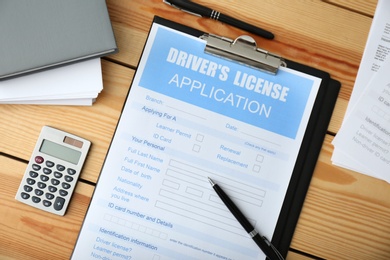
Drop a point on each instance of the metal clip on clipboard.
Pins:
(243, 50)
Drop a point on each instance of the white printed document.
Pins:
(190, 115)
(365, 136)
(376, 51)
(354, 136)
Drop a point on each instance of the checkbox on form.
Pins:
(196, 148)
(199, 138)
(256, 168)
(259, 158)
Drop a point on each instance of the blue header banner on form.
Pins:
(180, 68)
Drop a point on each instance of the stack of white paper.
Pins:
(363, 142)
(75, 84)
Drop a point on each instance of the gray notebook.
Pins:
(40, 34)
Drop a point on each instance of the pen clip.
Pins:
(181, 9)
(273, 248)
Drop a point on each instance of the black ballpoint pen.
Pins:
(203, 11)
(265, 245)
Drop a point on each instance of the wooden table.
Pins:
(346, 215)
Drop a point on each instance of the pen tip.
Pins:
(211, 181)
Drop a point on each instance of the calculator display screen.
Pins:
(60, 152)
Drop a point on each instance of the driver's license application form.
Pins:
(190, 115)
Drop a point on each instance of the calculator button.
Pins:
(33, 174)
(30, 181)
(38, 192)
(27, 188)
(41, 185)
(44, 178)
(63, 193)
(57, 175)
(68, 178)
(59, 203)
(55, 181)
(35, 199)
(46, 171)
(46, 203)
(39, 159)
(25, 195)
(65, 185)
(71, 171)
(60, 167)
(49, 164)
(36, 167)
(52, 189)
(49, 196)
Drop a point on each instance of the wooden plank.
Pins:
(29, 233)
(295, 256)
(346, 214)
(366, 7)
(21, 124)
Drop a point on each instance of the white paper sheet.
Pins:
(64, 85)
(65, 102)
(365, 136)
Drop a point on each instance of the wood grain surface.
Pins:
(346, 215)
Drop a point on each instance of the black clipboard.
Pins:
(310, 148)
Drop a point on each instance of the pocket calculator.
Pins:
(53, 170)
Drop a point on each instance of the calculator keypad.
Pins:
(53, 170)
(48, 185)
